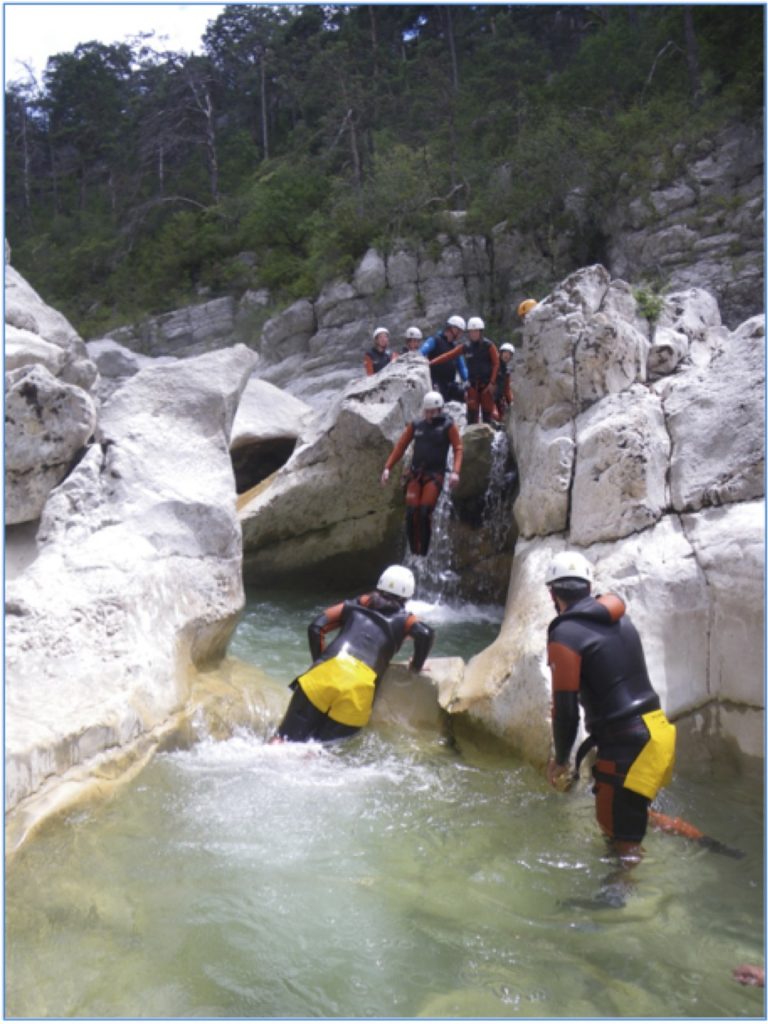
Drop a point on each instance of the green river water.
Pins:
(394, 875)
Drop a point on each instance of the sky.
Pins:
(32, 32)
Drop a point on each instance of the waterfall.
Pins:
(501, 481)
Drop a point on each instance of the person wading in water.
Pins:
(334, 698)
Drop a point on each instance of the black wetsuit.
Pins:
(596, 657)
(333, 699)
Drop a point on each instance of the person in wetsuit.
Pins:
(333, 699)
(504, 397)
(596, 659)
(482, 361)
(432, 438)
(413, 340)
(379, 356)
(443, 375)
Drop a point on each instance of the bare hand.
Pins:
(453, 479)
(557, 774)
(384, 477)
(748, 974)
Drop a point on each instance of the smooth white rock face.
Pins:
(136, 579)
(326, 501)
(47, 422)
(608, 461)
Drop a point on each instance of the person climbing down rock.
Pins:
(432, 438)
(596, 658)
(334, 698)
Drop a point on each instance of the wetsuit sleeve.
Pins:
(463, 371)
(423, 637)
(368, 364)
(317, 631)
(399, 450)
(447, 356)
(458, 448)
(508, 390)
(495, 362)
(427, 347)
(565, 665)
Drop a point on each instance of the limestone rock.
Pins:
(545, 460)
(716, 422)
(619, 484)
(136, 579)
(325, 504)
(189, 331)
(36, 327)
(607, 462)
(266, 427)
(47, 422)
(288, 333)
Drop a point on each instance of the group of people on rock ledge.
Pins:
(484, 383)
(473, 371)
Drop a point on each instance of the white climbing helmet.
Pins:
(507, 347)
(475, 323)
(457, 321)
(414, 332)
(398, 581)
(432, 400)
(380, 330)
(569, 565)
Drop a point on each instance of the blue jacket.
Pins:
(441, 343)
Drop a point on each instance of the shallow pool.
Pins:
(390, 876)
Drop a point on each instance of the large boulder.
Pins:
(267, 425)
(135, 584)
(610, 467)
(47, 423)
(189, 331)
(325, 506)
(36, 333)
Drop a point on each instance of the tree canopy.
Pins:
(137, 178)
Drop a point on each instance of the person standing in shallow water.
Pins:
(432, 436)
(596, 659)
(334, 698)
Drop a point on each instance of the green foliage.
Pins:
(650, 302)
(135, 180)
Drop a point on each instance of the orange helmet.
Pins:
(526, 306)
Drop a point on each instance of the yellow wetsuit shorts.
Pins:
(342, 688)
(652, 768)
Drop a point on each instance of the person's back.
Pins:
(333, 699)
(614, 681)
(373, 628)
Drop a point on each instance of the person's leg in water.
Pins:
(430, 494)
(623, 817)
(303, 722)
